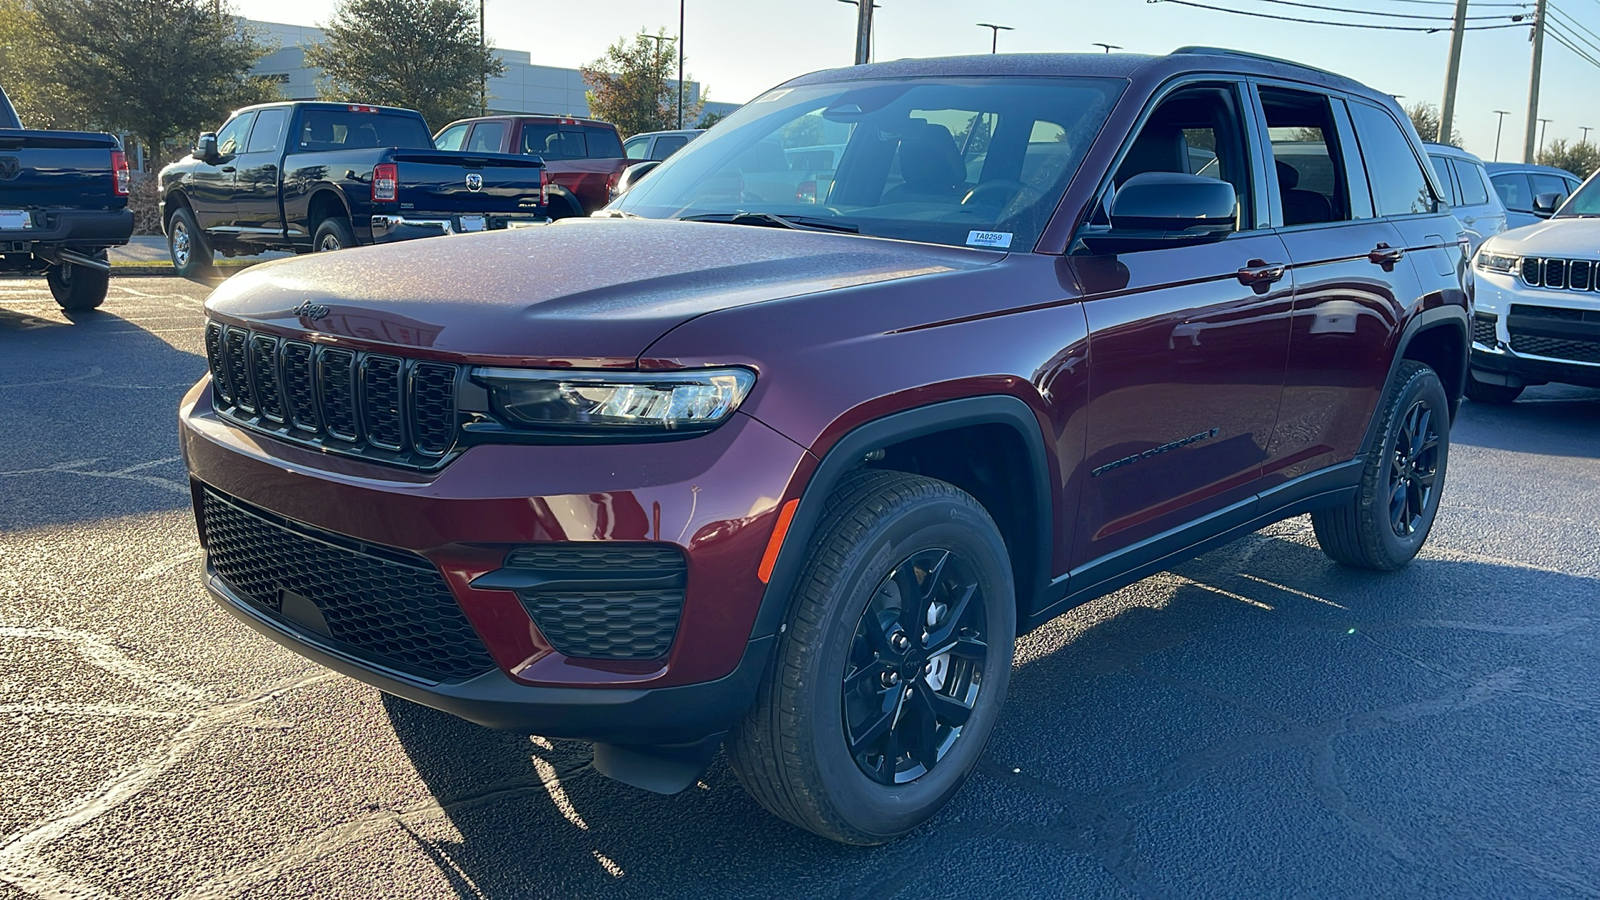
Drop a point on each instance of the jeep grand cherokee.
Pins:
(790, 472)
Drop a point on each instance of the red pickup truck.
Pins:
(583, 157)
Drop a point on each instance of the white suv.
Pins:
(1537, 310)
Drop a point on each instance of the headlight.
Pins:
(1496, 262)
(612, 403)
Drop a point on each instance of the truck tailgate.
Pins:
(452, 182)
(56, 170)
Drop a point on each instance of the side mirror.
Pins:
(1167, 209)
(1545, 205)
(631, 176)
(205, 146)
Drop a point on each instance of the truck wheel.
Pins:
(1394, 507)
(1498, 394)
(78, 288)
(564, 208)
(333, 234)
(888, 677)
(192, 255)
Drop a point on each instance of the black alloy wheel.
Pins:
(915, 667)
(1413, 469)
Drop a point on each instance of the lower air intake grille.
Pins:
(1483, 329)
(1556, 348)
(387, 606)
(604, 600)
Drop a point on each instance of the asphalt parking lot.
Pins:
(1258, 722)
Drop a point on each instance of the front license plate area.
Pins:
(15, 219)
(473, 223)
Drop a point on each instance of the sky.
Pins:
(739, 48)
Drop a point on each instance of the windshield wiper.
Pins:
(771, 220)
(613, 214)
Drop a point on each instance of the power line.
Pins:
(1429, 29)
(1568, 42)
(1384, 15)
(1572, 20)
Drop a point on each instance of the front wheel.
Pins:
(78, 288)
(1386, 523)
(889, 675)
(333, 234)
(192, 256)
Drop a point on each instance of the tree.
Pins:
(156, 69)
(1425, 117)
(710, 119)
(425, 55)
(635, 87)
(1581, 158)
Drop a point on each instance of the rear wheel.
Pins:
(192, 256)
(1498, 394)
(1398, 498)
(889, 675)
(78, 288)
(333, 234)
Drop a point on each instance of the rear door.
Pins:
(1476, 204)
(259, 213)
(1186, 359)
(1352, 279)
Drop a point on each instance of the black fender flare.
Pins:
(847, 453)
(1426, 320)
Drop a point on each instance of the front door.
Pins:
(211, 183)
(1187, 350)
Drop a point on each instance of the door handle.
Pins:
(1385, 255)
(228, 169)
(1261, 275)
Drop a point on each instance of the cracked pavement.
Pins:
(1256, 722)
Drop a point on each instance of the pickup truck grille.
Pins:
(1559, 274)
(384, 408)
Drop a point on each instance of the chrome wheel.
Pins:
(1413, 469)
(915, 667)
(180, 244)
(329, 241)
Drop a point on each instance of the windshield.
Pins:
(963, 161)
(1584, 202)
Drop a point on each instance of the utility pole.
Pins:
(1499, 121)
(483, 85)
(680, 65)
(1533, 82)
(863, 30)
(1447, 109)
(994, 39)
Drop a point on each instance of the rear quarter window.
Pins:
(1470, 176)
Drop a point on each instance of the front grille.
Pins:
(1556, 348)
(605, 600)
(1483, 329)
(381, 407)
(387, 606)
(1559, 274)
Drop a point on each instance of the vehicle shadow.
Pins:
(87, 408)
(1555, 420)
(1321, 731)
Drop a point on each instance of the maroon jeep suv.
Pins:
(790, 475)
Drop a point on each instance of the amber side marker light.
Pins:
(770, 558)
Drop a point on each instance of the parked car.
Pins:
(658, 145)
(324, 176)
(63, 202)
(1536, 316)
(1472, 197)
(791, 476)
(583, 157)
(1520, 184)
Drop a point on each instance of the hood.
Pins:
(1574, 237)
(583, 292)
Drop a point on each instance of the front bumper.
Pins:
(389, 228)
(715, 497)
(1521, 333)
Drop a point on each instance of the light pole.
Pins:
(483, 83)
(1502, 113)
(654, 57)
(864, 10)
(994, 34)
(1585, 129)
(1109, 47)
(1543, 125)
(680, 65)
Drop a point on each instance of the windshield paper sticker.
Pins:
(998, 239)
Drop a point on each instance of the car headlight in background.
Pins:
(1496, 262)
(614, 402)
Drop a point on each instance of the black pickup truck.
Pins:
(322, 176)
(63, 201)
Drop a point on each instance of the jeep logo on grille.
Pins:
(474, 182)
(312, 311)
(10, 168)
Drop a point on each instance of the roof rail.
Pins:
(1224, 51)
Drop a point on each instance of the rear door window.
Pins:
(1469, 177)
(1441, 168)
(667, 145)
(1305, 157)
(1399, 185)
(267, 136)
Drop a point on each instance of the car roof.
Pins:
(326, 104)
(1182, 61)
(1496, 168)
(535, 117)
(1436, 148)
(671, 131)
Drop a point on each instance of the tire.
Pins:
(333, 234)
(1395, 505)
(1497, 394)
(845, 662)
(192, 255)
(564, 208)
(78, 288)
